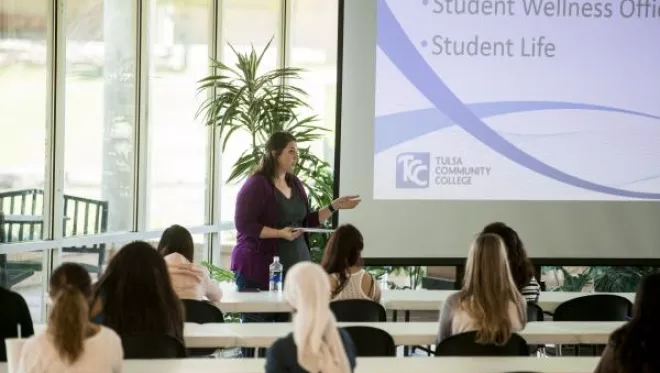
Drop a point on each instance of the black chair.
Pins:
(10, 274)
(83, 216)
(358, 310)
(596, 307)
(201, 312)
(152, 346)
(465, 344)
(371, 342)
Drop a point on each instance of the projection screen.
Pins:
(544, 115)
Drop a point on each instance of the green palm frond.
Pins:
(241, 99)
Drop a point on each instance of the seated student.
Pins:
(316, 344)
(489, 301)
(342, 260)
(14, 312)
(135, 295)
(522, 269)
(190, 280)
(635, 347)
(71, 343)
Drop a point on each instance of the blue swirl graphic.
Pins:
(389, 131)
(394, 42)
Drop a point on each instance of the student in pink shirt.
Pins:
(190, 280)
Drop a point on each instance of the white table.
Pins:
(375, 365)
(405, 300)
(380, 365)
(404, 334)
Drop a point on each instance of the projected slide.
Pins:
(517, 100)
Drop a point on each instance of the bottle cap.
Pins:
(276, 258)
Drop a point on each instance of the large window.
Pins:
(99, 124)
(245, 23)
(99, 116)
(177, 142)
(314, 48)
(23, 106)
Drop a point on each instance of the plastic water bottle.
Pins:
(275, 278)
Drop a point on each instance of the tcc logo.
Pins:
(412, 170)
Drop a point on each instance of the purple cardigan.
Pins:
(256, 207)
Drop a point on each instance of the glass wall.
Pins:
(23, 123)
(316, 52)
(178, 58)
(241, 35)
(23, 119)
(99, 124)
(102, 136)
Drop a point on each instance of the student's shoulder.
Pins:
(11, 298)
(107, 335)
(284, 343)
(453, 299)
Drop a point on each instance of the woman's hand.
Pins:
(346, 202)
(289, 233)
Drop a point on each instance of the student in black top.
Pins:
(635, 347)
(14, 312)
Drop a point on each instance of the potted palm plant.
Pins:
(242, 99)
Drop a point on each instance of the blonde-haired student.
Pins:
(489, 302)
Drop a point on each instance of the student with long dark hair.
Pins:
(71, 343)
(270, 208)
(342, 259)
(135, 294)
(190, 280)
(521, 266)
(635, 347)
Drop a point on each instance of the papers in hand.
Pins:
(315, 230)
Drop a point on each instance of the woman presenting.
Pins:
(270, 207)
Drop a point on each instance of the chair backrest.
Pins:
(358, 310)
(597, 307)
(465, 344)
(2, 226)
(202, 312)
(26, 202)
(534, 312)
(152, 346)
(84, 216)
(371, 342)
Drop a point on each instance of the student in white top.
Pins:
(489, 302)
(71, 342)
(189, 280)
(342, 260)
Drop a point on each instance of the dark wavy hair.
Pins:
(521, 267)
(177, 239)
(137, 295)
(344, 250)
(636, 345)
(275, 145)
